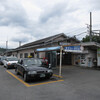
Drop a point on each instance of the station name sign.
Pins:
(77, 48)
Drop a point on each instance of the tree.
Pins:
(94, 39)
(2, 50)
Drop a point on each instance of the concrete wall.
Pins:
(87, 61)
(14, 54)
(90, 57)
(41, 54)
(23, 52)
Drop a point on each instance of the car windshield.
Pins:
(2, 58)
(12, 59)
(32, 62)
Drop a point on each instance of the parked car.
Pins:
(32, 68)
(10, 62)
(1, 59)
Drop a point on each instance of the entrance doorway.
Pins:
(66, 59)
(51, 56)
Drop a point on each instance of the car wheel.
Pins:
(25, 77)
(16, 70)
(4, 66)
(7, 67)
(48, 77)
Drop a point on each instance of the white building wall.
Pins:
(14, 54)
(87, 61)
(23, 52)
(90, 57)
(41, 54)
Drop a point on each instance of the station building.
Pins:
(73, 51)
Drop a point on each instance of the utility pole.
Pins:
(6, 47)
(90, 27)
(19, 43)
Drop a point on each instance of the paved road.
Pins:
(78, 84)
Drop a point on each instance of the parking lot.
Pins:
(76, 84)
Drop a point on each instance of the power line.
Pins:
(74, 31)
(80, 34)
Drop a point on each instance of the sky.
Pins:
(31, 20)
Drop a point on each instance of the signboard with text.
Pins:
(77, 48)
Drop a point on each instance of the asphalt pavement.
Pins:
(77, 84)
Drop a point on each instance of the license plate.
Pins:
(42, 75)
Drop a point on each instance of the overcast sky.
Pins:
(30, 20)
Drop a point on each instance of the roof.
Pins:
(44, 40)
(86, 44)
(90, 44)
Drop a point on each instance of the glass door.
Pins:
(51, 56)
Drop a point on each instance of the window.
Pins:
(21, 55)
(16, 55)
(83, 60)
(37, 55)
(83, 56)
(25, 55)
(32, 55)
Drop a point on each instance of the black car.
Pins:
(31, 68)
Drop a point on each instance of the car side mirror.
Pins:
(49, 66)
(20, 62)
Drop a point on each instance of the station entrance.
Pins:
(54, 58)
(51, 56)
(66, 59)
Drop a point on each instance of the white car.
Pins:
(1, 59)
(10, 62)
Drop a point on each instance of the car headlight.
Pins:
(50, 71)
(32, 72)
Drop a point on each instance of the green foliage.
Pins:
(2, 50)
(94, 39)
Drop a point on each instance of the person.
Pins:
(45, 61)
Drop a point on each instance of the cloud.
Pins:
(57, 10)
(23, 38)
(12, 14)
(29, 20)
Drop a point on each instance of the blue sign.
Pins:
(72, 48)
(48, 49)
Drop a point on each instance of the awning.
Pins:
(48, 49)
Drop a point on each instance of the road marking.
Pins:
(28, 85)
(46, 83)
(57, 76)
